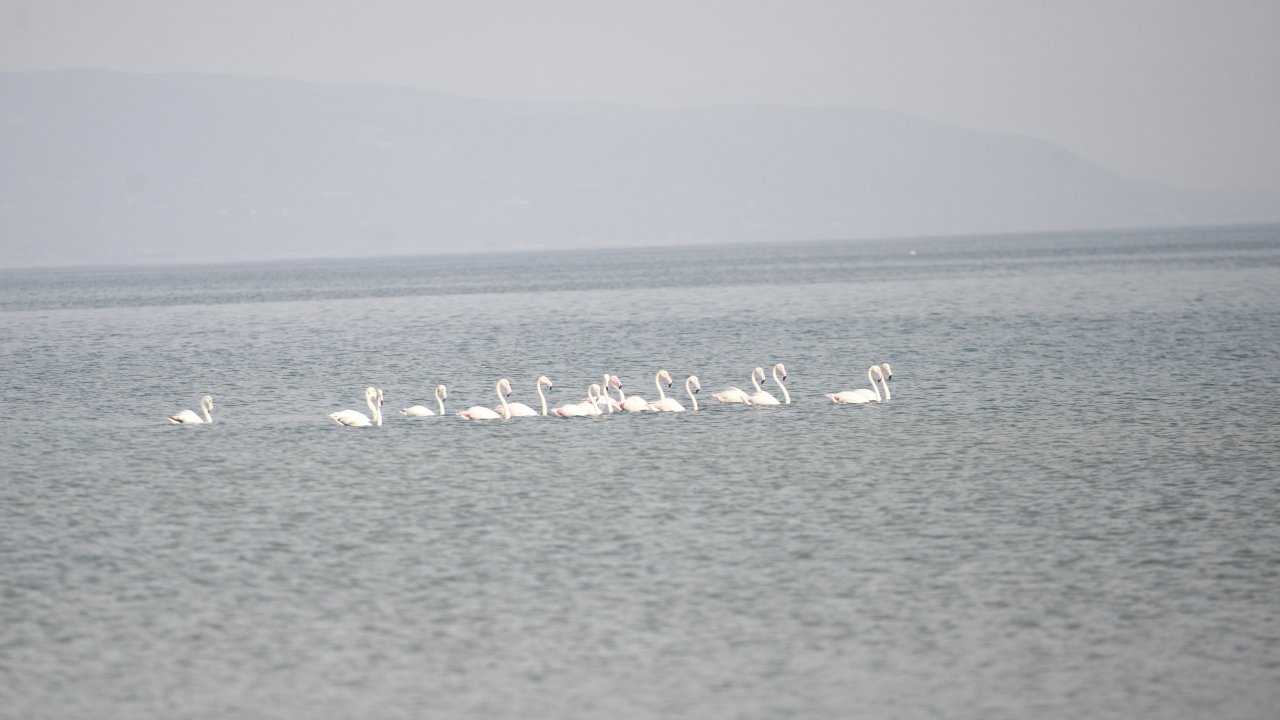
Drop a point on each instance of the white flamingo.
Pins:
(734, 395)
(187, 417)
(480, 412)
(607, 382)
(763, 397)
(760, 396)
(519, 409)
(888, 371)
(586, 408)
(692, 385)
(442, 393)
(632, 401)
(863, 395)
(355, 418)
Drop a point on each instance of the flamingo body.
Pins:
(189, 417)
(355, 418)
(423, 411)
(732, 395)
(479, 412)
(634, 403)
(863, 395)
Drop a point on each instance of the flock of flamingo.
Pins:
(599, 399)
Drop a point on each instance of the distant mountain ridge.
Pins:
(106, 167)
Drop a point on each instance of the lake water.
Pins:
(1070, 508)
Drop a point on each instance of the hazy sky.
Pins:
(1186, 92)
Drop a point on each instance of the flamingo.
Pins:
(442, 393)
(355, 418)
(763, 397)
(691, 386)
(863, 395)
(519, 409)
(611, 381)
(734, 395)
(187, 417)
(480, 412)
(585, 408)
(632, 403)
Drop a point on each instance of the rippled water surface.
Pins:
(1068, 509)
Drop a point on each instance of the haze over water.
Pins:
(1068, 508)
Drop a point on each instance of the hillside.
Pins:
(110, 167)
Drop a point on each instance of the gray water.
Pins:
(1068, 509)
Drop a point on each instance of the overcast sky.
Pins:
(1182, 91)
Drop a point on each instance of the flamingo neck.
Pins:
(690, 392)
(883, 381)
(661, 395)
(786, 396)
(543, 398)
(506, 411)
(608, 399)
(206, 408)
(871, 379)
(439, 400)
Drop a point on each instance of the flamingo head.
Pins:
(696, 383)
(664, 375)
(544, 380)
(781, 369)
(888, 371)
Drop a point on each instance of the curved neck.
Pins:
(371, 399)
(656, 383)
(506, 410)
(871, 379)
(542, 397)
(786, 396)
(206, 407)
(755, 383)
(605, 396)
(885, 383)
(440, 399)
(689, 390)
